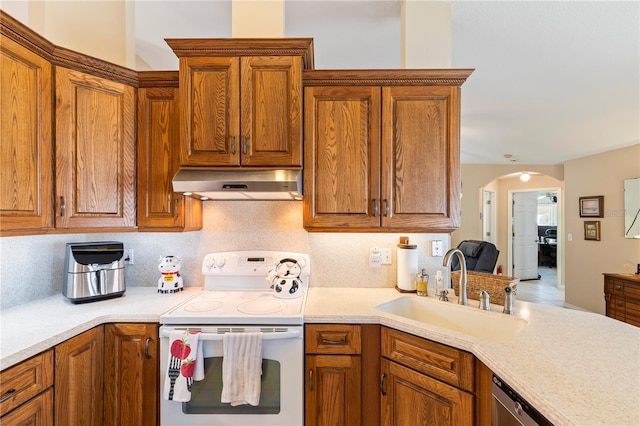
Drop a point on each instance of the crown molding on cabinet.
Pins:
(244, 47)
(399, 77)
(60, 56)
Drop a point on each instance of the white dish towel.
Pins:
(185, 364)
(241, 368)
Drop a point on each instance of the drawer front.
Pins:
(332, 339)
(617, 287)
(22, 382)
(442, 362)
(37, 412)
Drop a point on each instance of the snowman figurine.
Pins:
(285, 278)
(170, 281)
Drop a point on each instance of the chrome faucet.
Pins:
(446, 262)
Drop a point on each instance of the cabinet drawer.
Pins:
(22, 382)
(617, 287)
(332, 339)
(37, 412)
(442, 362)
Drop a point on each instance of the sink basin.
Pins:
(492, 326)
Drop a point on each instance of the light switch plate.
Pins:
(384, 253)
(437, 248)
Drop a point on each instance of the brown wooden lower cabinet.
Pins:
(342, 363)
(131, 374)
(78, 385)
(372, 375)
(424, 382)
(413, 398)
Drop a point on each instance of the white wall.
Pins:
(586, 261)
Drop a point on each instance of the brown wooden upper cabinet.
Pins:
(382, 150)
(26, 151)
(95, 151)
(89, 105)
(159, 208)
(241, 101)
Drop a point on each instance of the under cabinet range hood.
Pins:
(243, 184)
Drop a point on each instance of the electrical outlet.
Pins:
(128, 256)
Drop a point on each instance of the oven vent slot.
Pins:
(223, 330)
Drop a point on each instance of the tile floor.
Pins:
(544, 290)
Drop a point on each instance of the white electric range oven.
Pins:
(237, 298)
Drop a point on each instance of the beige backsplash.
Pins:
(32, 266)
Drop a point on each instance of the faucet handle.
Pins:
(484, 301)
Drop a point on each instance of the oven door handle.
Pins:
(278, 335)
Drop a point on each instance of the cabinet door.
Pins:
(210, 111)
(158, 207)
(412, 398)
(79, 366)
(26, 151)
(271, 111)
(342, 158)
(332, 390)
(420, 157)
(95, 152)
(36, 412)
(131, 374)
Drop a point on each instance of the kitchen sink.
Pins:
(493, 326)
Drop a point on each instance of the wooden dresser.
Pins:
(622, 293)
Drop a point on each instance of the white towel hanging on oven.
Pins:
(241, 368)
(184, 365)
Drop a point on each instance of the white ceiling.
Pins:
(554, 81)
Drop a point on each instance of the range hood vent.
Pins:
(240, 184)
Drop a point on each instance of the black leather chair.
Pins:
(480, 256)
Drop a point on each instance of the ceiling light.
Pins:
(525, 177)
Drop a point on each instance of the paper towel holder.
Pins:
(408, 262)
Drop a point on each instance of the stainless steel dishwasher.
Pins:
(510, 409)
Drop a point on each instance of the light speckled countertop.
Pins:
(577, 368)
(29, 329)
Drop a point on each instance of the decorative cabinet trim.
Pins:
(60, 56)
(404, 77)
(245, 47)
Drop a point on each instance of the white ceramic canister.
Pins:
(407, 265)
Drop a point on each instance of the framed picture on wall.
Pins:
(592, 230)
(592, 206)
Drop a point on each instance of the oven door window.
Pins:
(207, 393)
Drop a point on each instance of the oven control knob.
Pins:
(210, 262)
(220, 262)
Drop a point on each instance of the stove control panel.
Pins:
(249, 263)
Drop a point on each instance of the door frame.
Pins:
(560, 247)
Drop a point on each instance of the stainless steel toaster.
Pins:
(93, 271)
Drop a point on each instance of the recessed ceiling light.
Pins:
(525, 176)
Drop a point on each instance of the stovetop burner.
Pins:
(261, 307)
(203, 306)
(236, 292)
